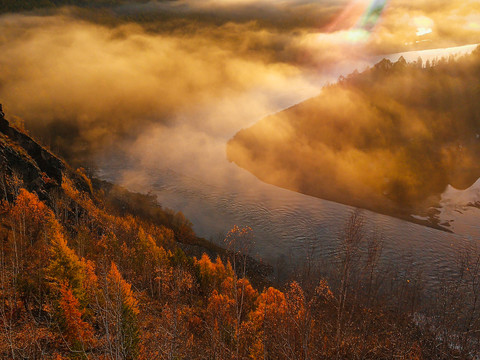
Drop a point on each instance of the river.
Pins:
(215, 194)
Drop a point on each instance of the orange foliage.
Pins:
(30, 214)
(324, 292)
(175, 282)
(227, 318)
(90, 280)
(27, 205)
(239, 240)
(271, 305)
(117, 282)
(212, 274)
(296, 301)
(65, 265)
(268, 319)
(76, 331)
(245, 295)
(149, 249)
(220, 309)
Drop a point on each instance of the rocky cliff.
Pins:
(25, 163)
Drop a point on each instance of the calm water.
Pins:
(215, 194)
(287, 224)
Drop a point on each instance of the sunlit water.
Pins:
(285, 223)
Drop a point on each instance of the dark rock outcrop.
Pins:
(24, 160)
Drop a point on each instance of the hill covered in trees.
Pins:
(89, 270)
(389, 139)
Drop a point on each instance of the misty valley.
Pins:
(239, 179)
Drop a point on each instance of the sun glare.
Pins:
(421, 31)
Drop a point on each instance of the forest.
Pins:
(89, 270)
(92, 270)
(389, 139)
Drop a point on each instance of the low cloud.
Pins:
(86, 82)
(105, 82)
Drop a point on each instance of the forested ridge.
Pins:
(91, 271)
(389, 139)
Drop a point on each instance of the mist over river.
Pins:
(186, 167)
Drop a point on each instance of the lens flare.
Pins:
(372, 15)
(367, 22)
(360, 18)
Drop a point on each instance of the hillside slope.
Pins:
(89, 270)
(389, 139)
(66, 239)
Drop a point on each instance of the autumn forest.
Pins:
(90, 270)
(239, 179)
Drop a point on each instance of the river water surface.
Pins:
(215, 194)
